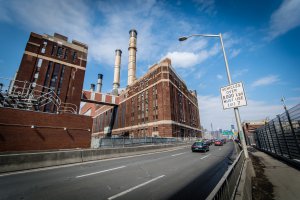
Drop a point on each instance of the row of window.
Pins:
(60, 51)
(54, 70)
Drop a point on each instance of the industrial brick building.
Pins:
(51, 63)
(157, 104)
(39, 108)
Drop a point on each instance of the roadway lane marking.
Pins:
(107, 170)
(205, 157)
(178, 154)
(133, 188)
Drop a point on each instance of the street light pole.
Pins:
(236, 110)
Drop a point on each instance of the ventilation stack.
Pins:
(116, 83)
(99, 82)
(92, 87)
(132, 56)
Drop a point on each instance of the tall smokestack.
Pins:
(132, 56)
(116, 83)
(92, 87)
(99, 82)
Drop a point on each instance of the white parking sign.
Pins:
(233, 96)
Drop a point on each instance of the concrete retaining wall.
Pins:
(25, 161)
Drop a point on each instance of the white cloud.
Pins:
(102, 25)
(183, 59)
(234, 53)
(268, 80)
(189, 59)
(211, 111)
(206, 6)
(219, 76)
(285, 18)
(199, 74)
(202, 86)
(239, 73)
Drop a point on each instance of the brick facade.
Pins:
(53, 62)
(50, 131)
(157, 104)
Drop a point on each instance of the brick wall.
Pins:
(16, 133)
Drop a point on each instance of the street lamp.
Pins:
(236, 110)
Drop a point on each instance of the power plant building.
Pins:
(157, 104)
(51, 63)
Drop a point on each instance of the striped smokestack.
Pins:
(116, 83)
(132, 56)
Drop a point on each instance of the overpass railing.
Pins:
(227, 186)
(280, 137)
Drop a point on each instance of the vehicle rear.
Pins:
(218, 143)
(200, 146)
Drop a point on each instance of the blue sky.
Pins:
(261, 40)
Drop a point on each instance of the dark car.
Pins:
(200, 146)
(209, 142)
(223, 141)
(218, 143)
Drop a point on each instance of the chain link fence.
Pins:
(281, 136)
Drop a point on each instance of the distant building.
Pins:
(249, 127)
(158, 104)
(51, 62)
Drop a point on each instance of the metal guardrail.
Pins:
(280, 137)
(227, 186)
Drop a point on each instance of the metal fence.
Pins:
(281, 136)
(228, 184)
(127, 142)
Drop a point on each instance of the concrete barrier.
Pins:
(25, 161)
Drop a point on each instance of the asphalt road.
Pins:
(173, 174)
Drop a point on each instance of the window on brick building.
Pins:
(53, 49)
(43, 50)
(61, 79)
(66, 54)
(48, 73)
(74, 57)
(39, 62)
(59, 53)
(54, 77)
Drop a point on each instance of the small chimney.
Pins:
(92, 87)
(116, 83)
(132, 56)
(99, 82)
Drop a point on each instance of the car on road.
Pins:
(209, 142)
(218, 143)
(223, 141)
(200, 146)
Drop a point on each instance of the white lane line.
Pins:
(107, 170)
(205, 156)
(178, 154)
(133, 188)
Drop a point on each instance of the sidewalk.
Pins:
(273, 179)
